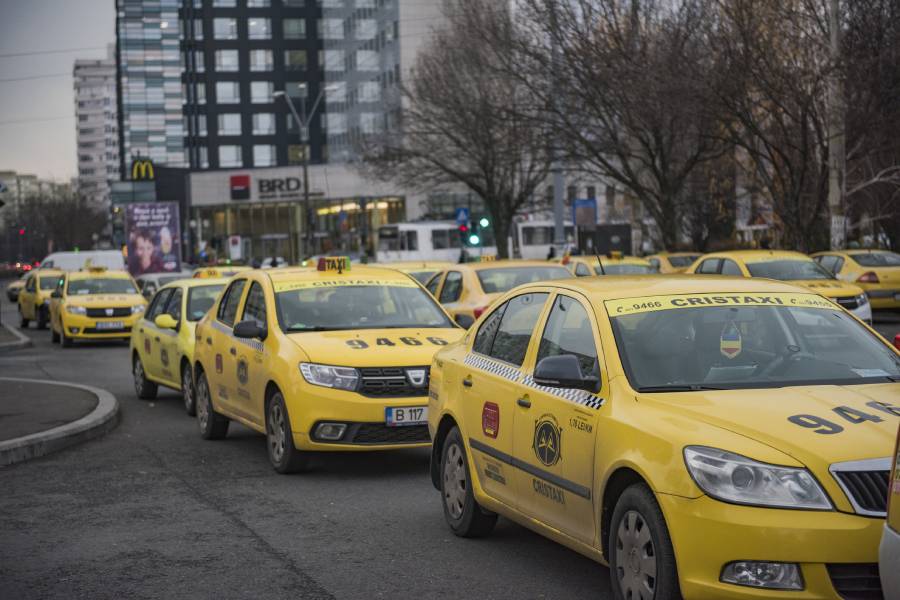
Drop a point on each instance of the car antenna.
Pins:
(600, 262)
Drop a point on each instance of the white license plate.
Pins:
(110, 325)
(896, 297)
(408, 415)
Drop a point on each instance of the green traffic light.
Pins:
(484, 222)
(473, 240)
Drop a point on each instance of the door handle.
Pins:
(142, 330)
(523, 403)
(233, 351)
(157, 338)
(209, 341)
(467, 382)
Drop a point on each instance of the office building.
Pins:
(96, 126)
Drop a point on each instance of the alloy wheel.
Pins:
(187, 387)
(635, 558)
(138, 376)
(455, 484)
(202, 405)
(276, 432)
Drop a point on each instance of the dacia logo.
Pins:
(164, 355)
(243, 371)
(547, 440)
(109, 312)
(142, 169)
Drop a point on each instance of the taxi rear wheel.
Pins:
(187, 390)
(143, 387)
(464, 516)
(283, 455)
(642, 560)
(23, 322)
(213, 426)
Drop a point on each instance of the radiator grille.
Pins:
(379, 433)
(856, 581)
(100, 313)
(391, 382)
(868, 489)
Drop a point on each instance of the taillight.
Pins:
(479, 311)
(869, 277)
(897, 341)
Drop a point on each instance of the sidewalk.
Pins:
(39, 417)
(10, 337)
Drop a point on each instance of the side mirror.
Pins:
(564, 372)
(464, 320)
(30, 290)
(165, 322)
(249, 329)
(56, 294)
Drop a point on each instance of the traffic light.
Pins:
(474, 239)
(463, 233)
(484, 222)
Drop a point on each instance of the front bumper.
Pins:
(87, 327)
(309, 405)
(707, 534)
(889, 559)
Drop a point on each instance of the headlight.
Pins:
(138, 309)
(734, 478)
(77, 310)
(340, 378)
(862, 299)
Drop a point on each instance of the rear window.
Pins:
(49, 282)
(201, 299)
(615, 269)
(503, 279)
(879, 259)
(788, 270)
(682, 261)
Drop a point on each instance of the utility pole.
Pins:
(559, 231)
(837, 160)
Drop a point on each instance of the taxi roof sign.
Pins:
(487, 258)
(96, 269)
(615, 255)
(334, 264)
(209, 273)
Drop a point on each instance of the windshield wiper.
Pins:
(678, 388)
(316, 328)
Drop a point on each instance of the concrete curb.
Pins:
(24, 340)
(103, 419)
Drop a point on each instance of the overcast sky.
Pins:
(45, 145)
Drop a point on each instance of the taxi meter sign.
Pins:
(337, 264)
(209, 273)
(490, 419)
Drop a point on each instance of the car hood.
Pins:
(105, 300)
(830, 288)
(375, 347)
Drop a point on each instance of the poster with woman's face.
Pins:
(153, 238)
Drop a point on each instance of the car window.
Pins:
(680, 262)
(229, 306)
(516, 327)
(173, 307)
(452, 289)
(201, 299)
(654, 262)
(30, 283)
(729, 267)
(421, 276)
(878, 259)
(503, 279)
(709, 266)
(788, 270)
(158, 305)
(582, 270)
(838, 265)
(255, 306)
(827, 261)
(433, 285)
(568, 331)
(485, 336)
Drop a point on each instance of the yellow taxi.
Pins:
(421, 271)
(95, 304)
(875, 271)
(787, 266)
(220, 271)
(467, 290)
(322, 359)
(584, 266)
(13, 289)
(162, 341)
(34, 298)
(708, 437)
(672, 262)
(889, 551)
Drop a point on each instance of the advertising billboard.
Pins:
(153, 236)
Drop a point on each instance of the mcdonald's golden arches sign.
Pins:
(142, 169)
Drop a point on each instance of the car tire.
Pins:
(213, 426)
(23, 322)
(284, 456)
(64, 340)
(464, 516)
(143, 387)
(54, 335)
(187, 390)
(641, 556)
(41, 318)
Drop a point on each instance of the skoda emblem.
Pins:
(417, 376)
(243, 370)
(164, 356)
(109, 312)
(547, 440)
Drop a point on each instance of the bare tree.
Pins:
(465, 123)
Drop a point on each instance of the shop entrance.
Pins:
(276, 245)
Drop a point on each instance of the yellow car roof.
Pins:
(676, 254)
(75, 275)
(495, 264)
(409, 265)
(863, 251)
(192, 282)
(613, 287)
(357, 271)
(51, 272)
(757, 255)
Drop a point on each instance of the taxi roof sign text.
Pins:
(209, 273)
(335, 264)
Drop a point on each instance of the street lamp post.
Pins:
(304, 144)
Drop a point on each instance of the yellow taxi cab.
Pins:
(672, 262)
(94, 304)
(467, 290)
(324, 359)
(162, 341)
(889, 551)
(13, 289)
(421, 271)
(875, 271)
(787, 266)
(614, 264)
(705, 437)
(34, 298)
(220, 271)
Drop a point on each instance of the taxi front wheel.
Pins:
(23, 322)
(280, 441)
(213, 426)
(641, 557)
(464, 516)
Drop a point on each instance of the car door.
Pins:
(26, 297)
(150, 344)
(491, 370)
(556, 428)
(251, 369)
(223, 377)
(169, 357)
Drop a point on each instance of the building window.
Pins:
(227, 92)
(201, 93)
(262, 92)
(229, 124)
(85, 171)
(199, 61)
(294, 29)
(225, 29)
(259, 29)
(226, 60)
(85, 158)
(82, 118)
(295, 60)
(201, 125)
(296, 3)
(263, 124)
(258, 3)
(198, 29)
(204, 157)
(230, 156)
(261, 60)
(224, 3)
(264, 156)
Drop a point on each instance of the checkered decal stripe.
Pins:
(576, 396)
(492, 367)
(253, 343)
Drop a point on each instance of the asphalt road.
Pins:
(151, 510)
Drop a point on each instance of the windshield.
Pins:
(50, 282)
(80, 287)
(788, 270)
(357, 304)
(422, 276)
(758, 341)
(877, 259)
(503, 279)
(201, 299)
(624, 269)
(682, 261)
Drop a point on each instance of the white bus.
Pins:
(534, 238)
